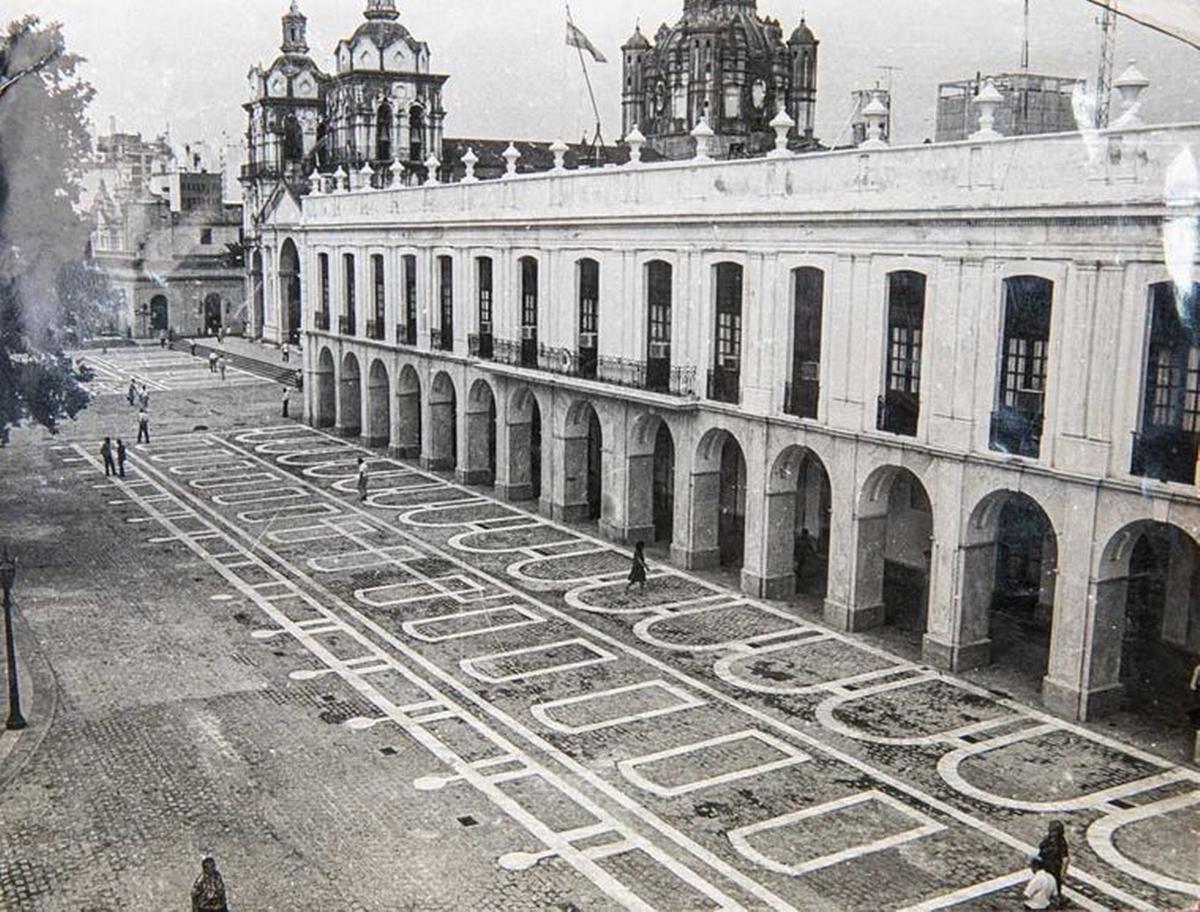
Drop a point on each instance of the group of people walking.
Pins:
(217, 364)
(1049, 866)
(114, 456)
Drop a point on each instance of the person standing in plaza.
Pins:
(362, 479)
(144, 396)
(121, 454)
(221, 365)
(637, 573)
(208, 892)
(1055, 854)
(132, 390)
(143, 426)
(1040, 892)
(286, 394)
(212, 362)
(106, 452)
(286, 351)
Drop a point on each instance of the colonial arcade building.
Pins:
(952, 389)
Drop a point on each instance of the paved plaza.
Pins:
(435, 700)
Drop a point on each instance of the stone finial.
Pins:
(340, 180)
(703, 135)
(559, 150)
(396, 169)
(875, 113)
(782, 125)
(636, 140)
(470, 160)
(988, 100)
(367, 176)
(511, 156)
(1129, 86)
(316, 183)
(431, 166)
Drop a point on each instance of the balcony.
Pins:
(375, 330)
(480, 346)
(1017, 432)
(800, 398)
(676, 381)
(439, 341)
(897, 413)
(1165, 454)
(346, 326)
(725, 385)
(322, 320)
(406, 334)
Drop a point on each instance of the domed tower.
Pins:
(295, 31)
(802, 95)
(633, 98)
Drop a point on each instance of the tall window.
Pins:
(323, 281)
(1166, 447)
(804, 390)
(483, 267)
(383, 133)
(446, 299)
(529, 312)
(380, 296)
(1017, 421)
(725, 378)
(293, 141)
(900, 406)
(416, 129)
(589, 316)
(348, 326)
(658, 326)
(409, 335)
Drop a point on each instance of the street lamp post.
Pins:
(8, 575)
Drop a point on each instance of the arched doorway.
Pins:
(443, 424)
(408, 414)
(650, 481)
(256, 293)
(383, 133)
(718, 515)
(160, 317)
(1148, 619)
(350, 394)
(524, 432)
(798, 507)
(1009, 559)
(731, 523)
(326, 390)
(289, 285)
(212, 314)
(662, 494)
(481, 435)
(582, 464)
(416, 132)
(379, 430)
(895, 547)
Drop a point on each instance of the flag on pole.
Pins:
(577, 39)
(1177, 18)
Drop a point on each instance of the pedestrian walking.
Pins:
(208, 892)
(286, 394)
(121, 454)
(1040, 892)
(221, 365)
(143, 426)
(144, 397)
(106, 451)
(637, 573)
(162, 338)
(362, 479)
(1055, 854)
(286, 351)
(212, 362)
(221, 335)
(132, 390)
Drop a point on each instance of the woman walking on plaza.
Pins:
(362, 479)
(637, 573)
(208, 892)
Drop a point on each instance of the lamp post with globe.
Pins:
(8, 575)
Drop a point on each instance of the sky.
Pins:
(156, 62)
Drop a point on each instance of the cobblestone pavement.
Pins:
(305, 683)
(159, 369)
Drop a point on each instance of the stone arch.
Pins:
(1008, 576)
(719, 501)
(160, 314)
(1146, 638)
(379, 405)
(350, 397)
(480, 455)
(326, 405)
(894, 531)
(383, 133)
(289, 289)
(799, 500)
(582, 464)
(525, 445)
(443, 423)
(416, 132)
(213, 316)
(651, 480)
(408, 413)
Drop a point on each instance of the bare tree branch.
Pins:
(28, 71)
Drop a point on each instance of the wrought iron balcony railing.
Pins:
(479, 345)
(346, 326)
(724, 385)
(375, 330)
(800, 398)
(406, 334)
(1016, 432)
(322, 320)
(898, 414)
(675, 381)
(1165, 454)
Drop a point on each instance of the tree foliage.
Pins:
(48, 292)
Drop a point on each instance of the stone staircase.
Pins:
(265, 369)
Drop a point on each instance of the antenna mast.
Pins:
(1025, 43)
(1104, 80)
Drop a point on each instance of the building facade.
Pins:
(1032, 104)
(725, 64)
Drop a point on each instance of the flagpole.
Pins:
(598, 139)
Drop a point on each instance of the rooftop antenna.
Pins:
(1104, 79)
(1025, 42)
(891, 103)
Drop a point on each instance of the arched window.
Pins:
(900, 404)
(1021, 389)
(383, 133)
(416, 131)
(293, 141)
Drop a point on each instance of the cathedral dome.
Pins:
(383, 33)
(802, 35)
(637, 42)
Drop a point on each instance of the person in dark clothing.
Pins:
(132, 391)
(208, 892)
(637, 573)
(106, 451)
(286, 394)
(1056, 854)
(143, 427)
(121, 453)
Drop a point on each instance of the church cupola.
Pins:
(295, 28)
(382, 9)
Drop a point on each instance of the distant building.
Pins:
(1032, 104)
(858, 124)
(723, 62)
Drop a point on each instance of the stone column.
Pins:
(474, 462)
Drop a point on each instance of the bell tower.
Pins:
(295, 28)
(382, 9)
